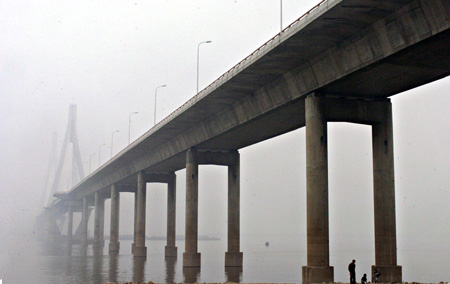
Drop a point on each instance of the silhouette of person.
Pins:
(364, 279)
(351, 269)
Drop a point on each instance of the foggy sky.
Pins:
(108, 57)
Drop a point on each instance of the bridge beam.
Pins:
(114, 244)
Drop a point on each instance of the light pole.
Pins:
(99, 153)
(162, 86)
(198, 58)
(129, 125)
(281, 16)
(112, 140)
(90, 161)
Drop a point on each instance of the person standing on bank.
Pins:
(351, 269)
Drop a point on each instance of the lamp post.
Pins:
(112, 140)
(281, 16)
(129, 125)
(90, 161)
(198, 58)
(99, 153)
(156, 90)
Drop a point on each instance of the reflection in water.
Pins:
(98, 268)
(83, 249)
(191, 274)
(69, 249)
(113, 268)
(233, 274)
(138, 269)
(170, 269)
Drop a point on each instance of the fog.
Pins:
(107, 57)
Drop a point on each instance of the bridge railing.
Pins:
(230, 73)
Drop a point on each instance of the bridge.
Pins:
(341, 61)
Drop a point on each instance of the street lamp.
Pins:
(162, 86)
(112, 140)
(129, 125)
(99, 153)
(281, 16)
(90, 161)
(198, 58)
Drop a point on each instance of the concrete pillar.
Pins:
(133, 245)
(70, 225)
(318, 268)
(102, 222)
(233, 257)
(84, 222)
(191, 256)
(97, 219)
(171, 249)
(384, 200)
(114, 243)
(140, 250)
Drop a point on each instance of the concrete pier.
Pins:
(191, 256)
(378, 114)
(114, 243)
(70, 224)
(98, 221)
(133, 245)
(384, 199)
(84, 222)
(233, 257)
(140, 250)
(171, 249)
(318, 268)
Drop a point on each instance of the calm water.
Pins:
(32, 262)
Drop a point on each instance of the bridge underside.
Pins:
(415, 66)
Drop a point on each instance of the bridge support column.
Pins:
(318, 268)
(191, 256)
(140, 250)
(84, 222)
(98, 221)
(133, 245)
(233, 257)
(70, 225)
(114, 244)
(384, 199)
(171, 249)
